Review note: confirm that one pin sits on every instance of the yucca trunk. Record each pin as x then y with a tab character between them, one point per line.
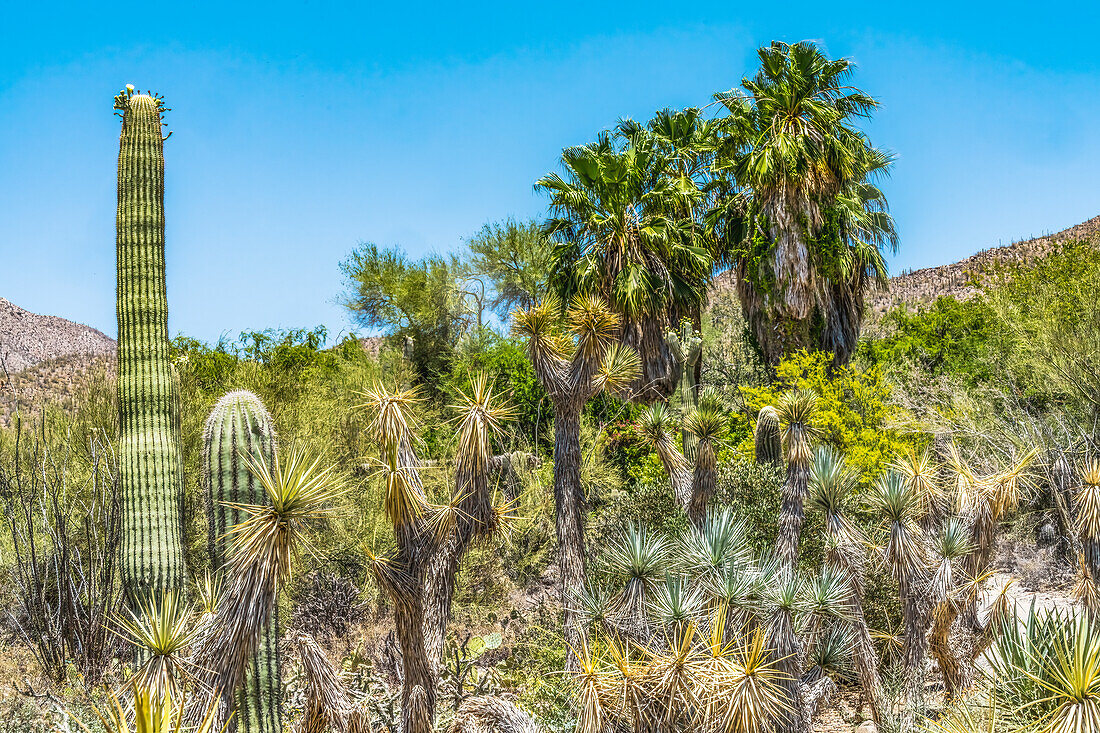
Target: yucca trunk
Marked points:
866	661
953	664
787	652
239	426
915	615
792	513
569	503
149	444
703	483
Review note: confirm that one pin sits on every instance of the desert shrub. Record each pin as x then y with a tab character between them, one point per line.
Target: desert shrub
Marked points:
326	605
946	337
854	411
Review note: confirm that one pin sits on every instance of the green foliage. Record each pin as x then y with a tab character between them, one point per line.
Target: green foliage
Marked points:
514	379
854	411
420	304
1049	312
514	257
948	337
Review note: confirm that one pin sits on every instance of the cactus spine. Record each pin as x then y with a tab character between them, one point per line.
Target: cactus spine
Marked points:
149	444
239	425
769	444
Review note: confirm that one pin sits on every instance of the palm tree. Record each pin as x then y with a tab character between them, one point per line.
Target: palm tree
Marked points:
614	216
832	484
576	355
806	221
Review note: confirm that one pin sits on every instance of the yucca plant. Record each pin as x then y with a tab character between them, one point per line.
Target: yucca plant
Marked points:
796	409
636	559
1088	531
693	482
1046	667
431	539
576	354
148	712
299	489
162	630
832	484
945	590
905	556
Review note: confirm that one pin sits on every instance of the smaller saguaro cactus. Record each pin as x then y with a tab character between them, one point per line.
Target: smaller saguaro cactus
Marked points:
239	426
769	444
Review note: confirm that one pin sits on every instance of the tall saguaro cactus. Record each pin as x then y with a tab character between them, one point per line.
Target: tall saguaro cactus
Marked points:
149	445
238	426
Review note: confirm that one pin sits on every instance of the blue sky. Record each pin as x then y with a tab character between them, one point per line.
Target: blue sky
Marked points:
302	129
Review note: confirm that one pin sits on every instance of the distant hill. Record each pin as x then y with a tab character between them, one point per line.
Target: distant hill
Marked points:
46	358
28	339
923	286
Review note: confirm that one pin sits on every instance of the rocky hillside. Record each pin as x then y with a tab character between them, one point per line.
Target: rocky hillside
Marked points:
28	339
46	358
925	285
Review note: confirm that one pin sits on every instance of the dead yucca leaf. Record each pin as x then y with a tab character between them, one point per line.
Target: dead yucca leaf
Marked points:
300	489
593	323
329	705
391	423
162	628
919	470
754	698
1010	484
591	682
1088	500
670	673
1085	589
480	419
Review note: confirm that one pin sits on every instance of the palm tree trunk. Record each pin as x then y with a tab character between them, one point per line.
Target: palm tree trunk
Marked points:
569	500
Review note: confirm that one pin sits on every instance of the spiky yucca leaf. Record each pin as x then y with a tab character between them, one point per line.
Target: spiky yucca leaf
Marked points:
595	602
899	505
832	484
1088	500
754	697
952	542
299	489
721	540
637	555
677	602
209	590
827	592
831	655
797	410
707	423
620	367
593	323
163	629
149	713
480	418
919	470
